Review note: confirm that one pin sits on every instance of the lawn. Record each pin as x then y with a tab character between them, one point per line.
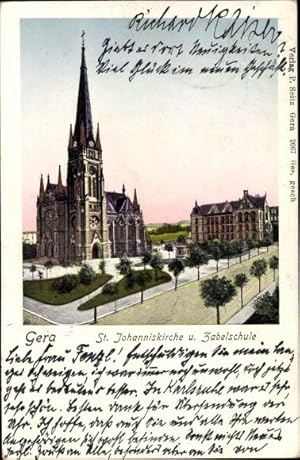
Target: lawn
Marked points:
42	290
123	291
166	237
34	320
185	306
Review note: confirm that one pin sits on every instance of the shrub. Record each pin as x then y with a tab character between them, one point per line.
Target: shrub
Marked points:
110	288
130	279
86	274
267	308
66	283
102	266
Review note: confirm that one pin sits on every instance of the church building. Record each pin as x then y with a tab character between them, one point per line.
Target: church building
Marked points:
80	220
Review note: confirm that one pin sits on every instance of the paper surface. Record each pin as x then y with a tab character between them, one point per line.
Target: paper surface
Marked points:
195	102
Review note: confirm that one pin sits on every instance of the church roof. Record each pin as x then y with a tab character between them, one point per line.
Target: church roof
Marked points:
54	189
118	203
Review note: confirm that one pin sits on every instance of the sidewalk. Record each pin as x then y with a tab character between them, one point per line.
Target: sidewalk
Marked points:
69	313
247	311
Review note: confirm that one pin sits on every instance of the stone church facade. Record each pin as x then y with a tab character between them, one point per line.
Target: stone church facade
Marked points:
247	218
80	220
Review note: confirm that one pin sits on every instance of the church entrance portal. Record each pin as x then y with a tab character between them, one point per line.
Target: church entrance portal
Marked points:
97	251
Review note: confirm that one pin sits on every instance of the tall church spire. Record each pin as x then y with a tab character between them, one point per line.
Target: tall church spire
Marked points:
84	112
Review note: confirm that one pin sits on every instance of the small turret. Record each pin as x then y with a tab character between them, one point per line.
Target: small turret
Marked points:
42	191
60	187
135	202
70	144
98	142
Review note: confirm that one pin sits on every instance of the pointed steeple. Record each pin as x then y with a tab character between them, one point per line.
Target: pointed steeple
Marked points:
135	202
84	112
60	187
123	189
70	144
41	194
98	142
48	184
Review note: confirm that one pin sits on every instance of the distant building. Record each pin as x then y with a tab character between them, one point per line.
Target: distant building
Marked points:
29	238
247	218
181	251
274	214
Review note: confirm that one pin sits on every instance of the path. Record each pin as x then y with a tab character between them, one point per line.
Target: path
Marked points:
69	313
245	313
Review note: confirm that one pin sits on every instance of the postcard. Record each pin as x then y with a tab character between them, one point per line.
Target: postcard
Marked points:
149	230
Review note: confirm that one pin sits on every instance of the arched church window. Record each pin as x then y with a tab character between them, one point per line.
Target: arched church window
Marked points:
50	249
73	251
92	181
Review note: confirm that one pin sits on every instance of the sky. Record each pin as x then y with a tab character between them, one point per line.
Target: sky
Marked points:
176	139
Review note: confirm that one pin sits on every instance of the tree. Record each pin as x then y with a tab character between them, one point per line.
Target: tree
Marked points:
267	242
125	269
65	283
181	239
258	245
102	264
146	258
267	308
196	258
141	278
204	245
157	263
226	250
110	288
240	281
33	269
169	247
238	247
176	266
29	251
86	274
274	264
251	244
217	292
257	269
48	265
124	266
215	251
